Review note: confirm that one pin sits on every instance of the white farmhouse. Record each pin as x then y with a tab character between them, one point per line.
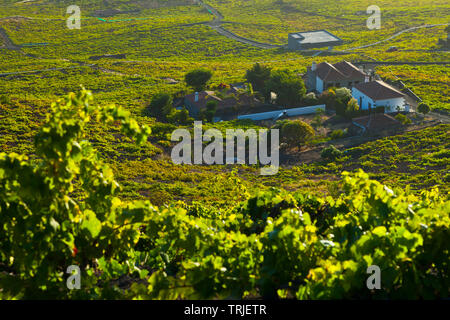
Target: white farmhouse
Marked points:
378	93
322	76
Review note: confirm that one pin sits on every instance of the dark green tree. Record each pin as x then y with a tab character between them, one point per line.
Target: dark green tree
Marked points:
160	106
180	117
288	87
197	79
423	108
328	98
257	76
209	112
294	133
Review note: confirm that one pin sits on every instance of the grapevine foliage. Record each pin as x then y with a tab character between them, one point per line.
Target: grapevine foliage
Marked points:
62	209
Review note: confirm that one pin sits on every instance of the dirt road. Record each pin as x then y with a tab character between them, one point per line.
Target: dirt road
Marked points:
7	42
216	24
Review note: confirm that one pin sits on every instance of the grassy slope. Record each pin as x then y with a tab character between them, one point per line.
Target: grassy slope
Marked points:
159	45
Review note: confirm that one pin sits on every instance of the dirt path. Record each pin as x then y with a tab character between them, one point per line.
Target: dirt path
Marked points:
411	63
7	42
234	36
216	25
218	17
79	65
441	116
396	35
5	74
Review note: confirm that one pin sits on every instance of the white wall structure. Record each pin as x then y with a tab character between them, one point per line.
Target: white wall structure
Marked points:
289	112
362	99
319	85
391	104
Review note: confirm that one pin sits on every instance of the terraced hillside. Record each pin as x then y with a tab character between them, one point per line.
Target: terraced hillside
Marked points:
161	40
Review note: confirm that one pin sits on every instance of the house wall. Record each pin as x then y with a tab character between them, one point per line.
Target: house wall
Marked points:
327	85
304	46
290	113
319	85
346	83
310	80
391	104
362	99
293	43
193	110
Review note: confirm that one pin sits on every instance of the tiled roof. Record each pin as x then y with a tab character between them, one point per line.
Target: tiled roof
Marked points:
348	69
203	98
341	71
376	121
378	90
225	103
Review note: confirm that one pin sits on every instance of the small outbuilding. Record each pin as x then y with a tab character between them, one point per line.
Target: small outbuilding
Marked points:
373	123
312	39
228	102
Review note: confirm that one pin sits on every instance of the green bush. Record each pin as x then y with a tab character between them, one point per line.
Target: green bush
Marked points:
337	134
330	153
352	107
310	99
180	117
4	99
403	119
163	130
61	210
294	133
209	112
160	106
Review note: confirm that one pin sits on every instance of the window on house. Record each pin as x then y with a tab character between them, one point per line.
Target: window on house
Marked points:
350	84
338	85
360	102
356	82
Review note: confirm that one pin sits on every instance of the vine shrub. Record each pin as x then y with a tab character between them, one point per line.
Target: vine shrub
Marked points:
330	153
61	209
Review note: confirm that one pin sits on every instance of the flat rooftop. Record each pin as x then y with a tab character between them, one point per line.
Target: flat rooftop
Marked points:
313	37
